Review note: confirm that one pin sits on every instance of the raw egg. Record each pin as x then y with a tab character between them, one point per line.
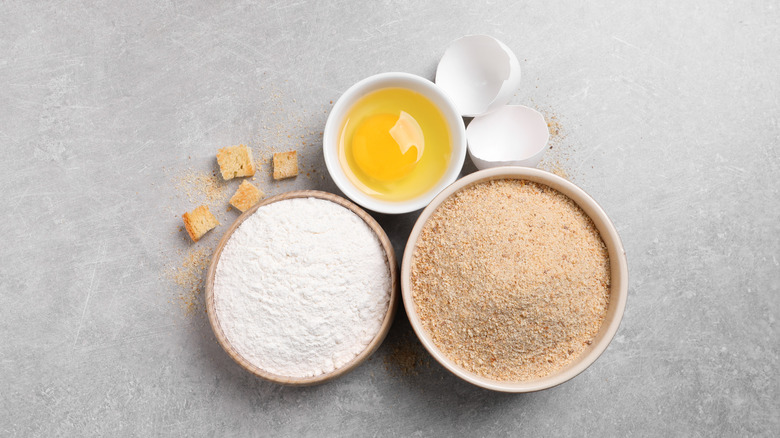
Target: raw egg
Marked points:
394	144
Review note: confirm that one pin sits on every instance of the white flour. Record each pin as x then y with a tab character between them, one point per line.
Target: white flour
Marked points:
301	287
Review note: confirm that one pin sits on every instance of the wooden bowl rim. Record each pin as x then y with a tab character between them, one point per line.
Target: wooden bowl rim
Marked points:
357	360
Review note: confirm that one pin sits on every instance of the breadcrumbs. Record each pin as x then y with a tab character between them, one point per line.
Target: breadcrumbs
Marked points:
189	277
511	279
557	158
200	186
407	356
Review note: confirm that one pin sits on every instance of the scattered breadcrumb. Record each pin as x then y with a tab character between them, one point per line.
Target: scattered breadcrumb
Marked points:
554	126
189	276
407	356
559	149
557	169
511	279
296	129
200	186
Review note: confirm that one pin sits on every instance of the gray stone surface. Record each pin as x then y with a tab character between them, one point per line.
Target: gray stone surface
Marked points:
668	116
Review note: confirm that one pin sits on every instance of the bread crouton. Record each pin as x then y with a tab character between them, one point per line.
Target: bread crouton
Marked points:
285	164
198	222
246	196
235	161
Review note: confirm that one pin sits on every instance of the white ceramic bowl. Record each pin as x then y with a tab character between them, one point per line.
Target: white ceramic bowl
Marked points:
330	141
618	273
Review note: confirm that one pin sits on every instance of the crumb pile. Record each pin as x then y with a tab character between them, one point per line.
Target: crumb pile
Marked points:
201	186
556	159
188	276
511	279
407	356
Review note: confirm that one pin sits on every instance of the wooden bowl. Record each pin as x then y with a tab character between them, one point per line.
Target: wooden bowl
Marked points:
618	273
357	360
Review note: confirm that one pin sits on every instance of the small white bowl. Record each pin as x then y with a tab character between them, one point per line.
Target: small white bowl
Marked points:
618	272
330	141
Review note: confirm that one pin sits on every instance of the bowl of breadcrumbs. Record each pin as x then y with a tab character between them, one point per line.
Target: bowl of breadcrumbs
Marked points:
514	279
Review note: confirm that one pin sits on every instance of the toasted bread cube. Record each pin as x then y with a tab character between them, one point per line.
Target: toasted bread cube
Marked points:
285	164
246	196
198	222
235	161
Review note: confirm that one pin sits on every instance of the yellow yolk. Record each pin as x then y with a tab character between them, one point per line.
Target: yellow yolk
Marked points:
394	144
387	146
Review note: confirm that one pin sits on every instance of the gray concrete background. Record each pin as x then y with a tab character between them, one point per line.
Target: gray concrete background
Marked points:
668	116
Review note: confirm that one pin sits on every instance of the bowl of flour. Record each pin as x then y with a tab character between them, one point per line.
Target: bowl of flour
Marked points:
302	288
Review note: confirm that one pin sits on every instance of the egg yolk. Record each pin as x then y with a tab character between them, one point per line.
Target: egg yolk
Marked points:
388	146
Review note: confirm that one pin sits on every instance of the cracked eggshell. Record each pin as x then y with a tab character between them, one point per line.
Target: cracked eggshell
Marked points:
513	135
479	73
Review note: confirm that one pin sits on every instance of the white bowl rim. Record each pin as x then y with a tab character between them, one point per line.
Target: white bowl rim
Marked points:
618	265
390	80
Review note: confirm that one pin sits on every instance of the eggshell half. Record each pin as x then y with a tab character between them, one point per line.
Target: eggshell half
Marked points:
513	135
479	73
